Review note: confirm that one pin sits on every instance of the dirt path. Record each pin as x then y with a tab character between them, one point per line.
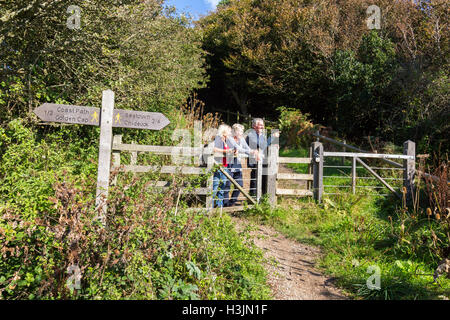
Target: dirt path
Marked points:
291	275
291	272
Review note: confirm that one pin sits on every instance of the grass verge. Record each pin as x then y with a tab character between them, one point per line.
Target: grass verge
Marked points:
374	247
358	243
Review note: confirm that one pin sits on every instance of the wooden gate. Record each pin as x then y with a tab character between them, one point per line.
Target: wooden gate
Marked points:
313	180
193	155
406	178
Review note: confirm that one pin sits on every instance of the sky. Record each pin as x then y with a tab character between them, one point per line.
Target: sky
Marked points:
194	7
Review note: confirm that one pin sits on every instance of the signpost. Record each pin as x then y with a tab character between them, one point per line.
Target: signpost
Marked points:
104	153
106	118
91	116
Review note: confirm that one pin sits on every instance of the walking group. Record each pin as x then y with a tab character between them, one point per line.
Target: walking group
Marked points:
229	146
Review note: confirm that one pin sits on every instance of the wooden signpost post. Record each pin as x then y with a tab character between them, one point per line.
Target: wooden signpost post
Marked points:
107	117
104	154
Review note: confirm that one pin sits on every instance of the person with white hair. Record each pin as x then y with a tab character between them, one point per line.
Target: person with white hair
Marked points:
226	147
256	139
235	166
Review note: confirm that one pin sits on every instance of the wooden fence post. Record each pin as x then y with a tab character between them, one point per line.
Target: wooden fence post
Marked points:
134	155
209	183
116	156
318	170
197	141
309	183
354	175
409	166
133	158
104	154
272	168
259	180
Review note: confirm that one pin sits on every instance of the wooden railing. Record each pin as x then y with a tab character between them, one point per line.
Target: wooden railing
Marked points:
270	168
314	178
196	169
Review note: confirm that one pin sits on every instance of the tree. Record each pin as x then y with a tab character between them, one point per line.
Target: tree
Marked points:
360	86
270	49
151	60
320	56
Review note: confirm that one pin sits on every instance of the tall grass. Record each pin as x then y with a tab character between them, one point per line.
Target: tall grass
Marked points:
356	232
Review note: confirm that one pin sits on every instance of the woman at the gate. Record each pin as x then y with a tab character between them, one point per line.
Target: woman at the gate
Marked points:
226	147
235	167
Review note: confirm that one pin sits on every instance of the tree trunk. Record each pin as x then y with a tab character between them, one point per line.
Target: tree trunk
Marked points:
242	102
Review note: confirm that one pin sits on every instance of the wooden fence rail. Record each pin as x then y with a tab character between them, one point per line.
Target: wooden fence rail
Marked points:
344	146
270	167
294	176
408	166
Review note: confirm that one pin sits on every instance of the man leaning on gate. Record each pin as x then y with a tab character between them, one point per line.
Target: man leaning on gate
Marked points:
257	139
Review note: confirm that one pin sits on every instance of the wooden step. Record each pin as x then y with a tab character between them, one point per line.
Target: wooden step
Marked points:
294	176
294	192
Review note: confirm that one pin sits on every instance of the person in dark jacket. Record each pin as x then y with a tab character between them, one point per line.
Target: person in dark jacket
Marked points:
256	139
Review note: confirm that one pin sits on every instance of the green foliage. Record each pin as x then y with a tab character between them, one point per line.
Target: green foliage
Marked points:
295	128
262	52
319	57
426	117
150	59
145	252
29	164
359	84
47	223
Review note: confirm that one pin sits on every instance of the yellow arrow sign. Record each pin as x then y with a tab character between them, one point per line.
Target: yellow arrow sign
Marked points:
94	117
117	118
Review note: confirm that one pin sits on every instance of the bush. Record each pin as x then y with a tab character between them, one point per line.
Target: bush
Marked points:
144	252
295	128
150	248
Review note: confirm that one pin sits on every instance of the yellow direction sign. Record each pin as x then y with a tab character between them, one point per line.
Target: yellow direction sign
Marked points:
139	119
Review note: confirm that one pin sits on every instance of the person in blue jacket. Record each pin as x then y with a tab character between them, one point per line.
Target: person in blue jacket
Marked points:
256	139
